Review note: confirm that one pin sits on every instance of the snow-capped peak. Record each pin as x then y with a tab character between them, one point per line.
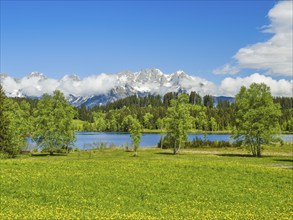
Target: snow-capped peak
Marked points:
3	76
38	75
180	73
72	77
104	88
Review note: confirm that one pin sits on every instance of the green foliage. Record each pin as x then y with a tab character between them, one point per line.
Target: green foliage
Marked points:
179	121
167	141
213	124
256	117
78	125
6	136
195	98
134	128
15	124
207	117
148	120
161	125
192	186
208	101
100	121
200	121
53	123
20	123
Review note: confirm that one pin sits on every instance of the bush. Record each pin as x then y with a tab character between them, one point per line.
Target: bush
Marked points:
4	155
168	142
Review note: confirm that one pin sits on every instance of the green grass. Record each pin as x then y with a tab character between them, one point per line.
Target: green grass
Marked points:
197	184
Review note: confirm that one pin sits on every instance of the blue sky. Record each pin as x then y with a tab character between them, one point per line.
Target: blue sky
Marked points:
92	37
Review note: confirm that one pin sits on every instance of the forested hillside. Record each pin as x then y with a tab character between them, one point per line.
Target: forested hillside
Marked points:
206	116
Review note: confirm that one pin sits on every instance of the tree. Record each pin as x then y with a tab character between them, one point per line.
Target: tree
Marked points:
135	134
179	121
20	123
113	121
200	118
100	121
134	128
148	120
54	127
5	134
195	98
161	126
208	101
256	117
14	124
213	124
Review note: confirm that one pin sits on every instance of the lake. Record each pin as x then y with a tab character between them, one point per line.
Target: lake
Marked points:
88	140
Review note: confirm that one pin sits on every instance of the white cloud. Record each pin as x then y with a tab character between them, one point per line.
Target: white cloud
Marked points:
227	69
103	83
231	86
37	86
200	85
274	55
92	85
9	84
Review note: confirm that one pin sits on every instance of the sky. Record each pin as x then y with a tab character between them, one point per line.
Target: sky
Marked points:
224	42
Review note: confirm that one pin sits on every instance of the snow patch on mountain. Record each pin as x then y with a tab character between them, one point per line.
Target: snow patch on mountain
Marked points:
103	88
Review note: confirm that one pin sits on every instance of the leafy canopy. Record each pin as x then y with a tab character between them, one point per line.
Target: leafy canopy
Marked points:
15	124
54	123
179	121
257	117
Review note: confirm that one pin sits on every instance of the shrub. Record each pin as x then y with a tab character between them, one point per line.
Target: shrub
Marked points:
168	142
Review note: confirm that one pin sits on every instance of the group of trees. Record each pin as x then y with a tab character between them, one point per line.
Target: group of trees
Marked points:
14	124
49	122
53	123
150	109
257	117
254	118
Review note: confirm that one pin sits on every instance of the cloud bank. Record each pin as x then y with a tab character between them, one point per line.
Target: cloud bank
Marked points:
231	86
92	85
274	55
35	85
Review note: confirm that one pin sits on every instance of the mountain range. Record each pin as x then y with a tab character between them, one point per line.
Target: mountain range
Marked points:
101	89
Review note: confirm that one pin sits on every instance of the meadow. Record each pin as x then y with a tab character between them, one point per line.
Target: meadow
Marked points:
112	184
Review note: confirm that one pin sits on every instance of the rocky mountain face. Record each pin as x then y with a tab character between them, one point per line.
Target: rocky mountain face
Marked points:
121	85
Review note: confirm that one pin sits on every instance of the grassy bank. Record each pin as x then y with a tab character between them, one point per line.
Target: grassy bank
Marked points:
192	131
197	184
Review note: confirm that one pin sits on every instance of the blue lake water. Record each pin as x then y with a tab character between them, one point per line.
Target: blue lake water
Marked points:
88	140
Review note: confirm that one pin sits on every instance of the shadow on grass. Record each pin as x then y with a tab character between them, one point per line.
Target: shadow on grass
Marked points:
239	155
284	160
169	153
44	155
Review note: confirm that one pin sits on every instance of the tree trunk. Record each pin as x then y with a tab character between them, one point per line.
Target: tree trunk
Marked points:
258	151
174	150
161	141
179	147
253	150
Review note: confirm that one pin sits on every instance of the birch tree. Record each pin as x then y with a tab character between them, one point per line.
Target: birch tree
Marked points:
257	117
179	121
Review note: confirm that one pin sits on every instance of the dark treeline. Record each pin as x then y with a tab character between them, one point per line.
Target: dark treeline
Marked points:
206	115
